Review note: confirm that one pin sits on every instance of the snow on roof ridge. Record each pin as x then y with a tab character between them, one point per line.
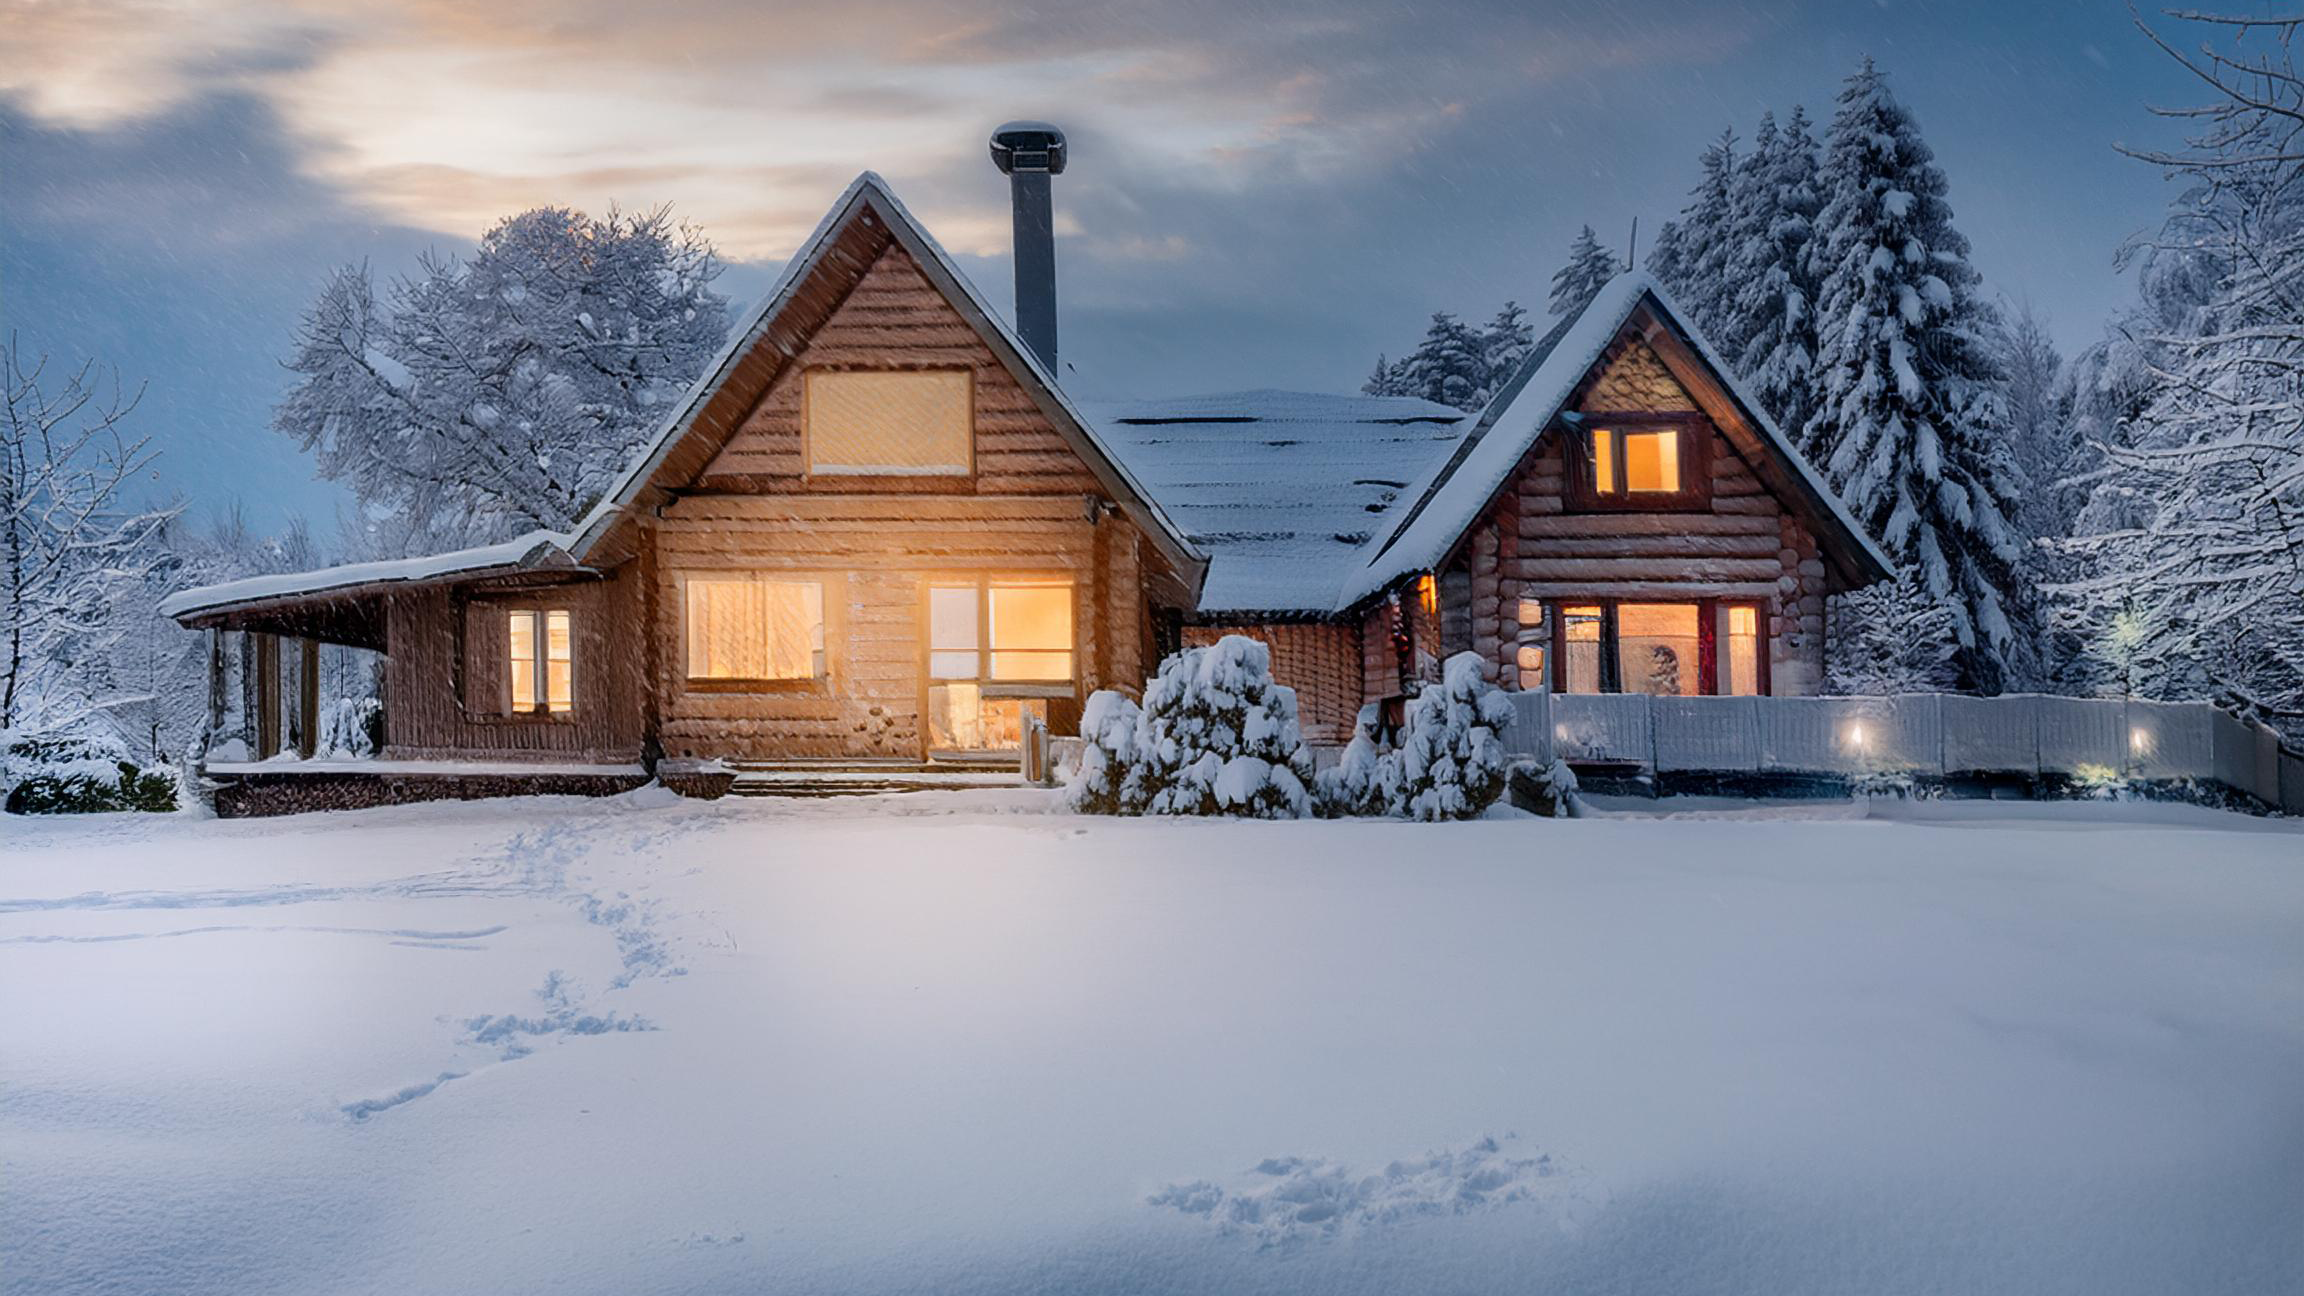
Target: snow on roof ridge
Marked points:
597	518
529	550
1523	408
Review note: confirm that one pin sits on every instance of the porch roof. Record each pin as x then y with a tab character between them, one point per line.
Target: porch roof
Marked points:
279	592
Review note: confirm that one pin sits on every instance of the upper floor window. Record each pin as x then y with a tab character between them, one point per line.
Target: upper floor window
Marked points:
1640	464
541	652
888	423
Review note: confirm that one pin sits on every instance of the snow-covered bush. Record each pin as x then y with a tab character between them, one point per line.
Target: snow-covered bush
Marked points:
1452	761
1215	736
1891	637
81	776
1450	764
1110	776
350	728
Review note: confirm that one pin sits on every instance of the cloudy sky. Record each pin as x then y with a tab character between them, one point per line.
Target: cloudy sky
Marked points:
1263	192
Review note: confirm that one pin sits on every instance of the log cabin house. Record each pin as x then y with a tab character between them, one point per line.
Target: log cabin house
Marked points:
878	532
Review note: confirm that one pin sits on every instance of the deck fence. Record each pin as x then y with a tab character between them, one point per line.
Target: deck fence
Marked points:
1925	734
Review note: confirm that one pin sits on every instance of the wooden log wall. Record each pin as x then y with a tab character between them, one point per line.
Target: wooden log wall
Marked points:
1320	660
1744	545
444	694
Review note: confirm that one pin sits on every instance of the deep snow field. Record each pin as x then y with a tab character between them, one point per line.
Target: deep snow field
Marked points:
952	1042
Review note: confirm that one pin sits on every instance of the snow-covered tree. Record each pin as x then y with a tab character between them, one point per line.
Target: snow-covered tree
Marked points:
1450	764
484	397
70	538
1505	344
1690	255
1450	365
2195	537
1770	270
1589	268
1891	637
1215	736
1910	423
1387	379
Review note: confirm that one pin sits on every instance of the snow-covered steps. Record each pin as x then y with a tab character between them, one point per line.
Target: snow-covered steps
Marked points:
833	778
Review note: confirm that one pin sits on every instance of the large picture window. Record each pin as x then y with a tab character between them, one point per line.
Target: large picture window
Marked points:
1699	647
751	627
888	423
540	655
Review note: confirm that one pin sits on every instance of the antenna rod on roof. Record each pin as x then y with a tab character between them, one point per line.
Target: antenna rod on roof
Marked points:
1632	245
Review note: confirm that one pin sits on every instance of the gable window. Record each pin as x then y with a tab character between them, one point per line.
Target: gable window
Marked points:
888	423
749	627
1640	462
1702	647
540	652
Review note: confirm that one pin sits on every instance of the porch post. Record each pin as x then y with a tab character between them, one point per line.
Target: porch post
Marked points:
267	695
215	730
308	698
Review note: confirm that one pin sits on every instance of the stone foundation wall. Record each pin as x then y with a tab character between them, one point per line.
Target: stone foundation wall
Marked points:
250	796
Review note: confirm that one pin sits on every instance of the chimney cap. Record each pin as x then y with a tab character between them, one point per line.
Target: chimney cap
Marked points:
1028	146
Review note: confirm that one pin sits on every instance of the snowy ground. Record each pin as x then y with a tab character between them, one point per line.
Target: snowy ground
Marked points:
952	1043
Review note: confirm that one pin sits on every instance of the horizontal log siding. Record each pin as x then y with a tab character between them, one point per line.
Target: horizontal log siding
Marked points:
444	675
1321	661
876	555
1745	545
895	319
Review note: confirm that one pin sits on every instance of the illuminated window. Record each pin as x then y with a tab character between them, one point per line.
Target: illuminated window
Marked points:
1659	648
743	626
1740	650
903	423
1636	462
997	650
1580	655
541	651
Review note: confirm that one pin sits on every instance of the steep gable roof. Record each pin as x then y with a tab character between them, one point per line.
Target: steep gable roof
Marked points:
1459	488
866	218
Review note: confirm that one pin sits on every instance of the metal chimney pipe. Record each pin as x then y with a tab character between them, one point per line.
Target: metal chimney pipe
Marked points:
1030	154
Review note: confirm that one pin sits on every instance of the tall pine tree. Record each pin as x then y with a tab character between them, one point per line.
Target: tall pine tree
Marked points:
1690	257
1769	271
1910	422
1590	267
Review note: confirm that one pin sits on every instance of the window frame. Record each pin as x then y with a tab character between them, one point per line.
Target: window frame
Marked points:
1695	431
834	597
542	612
884	475
1711	620
983	583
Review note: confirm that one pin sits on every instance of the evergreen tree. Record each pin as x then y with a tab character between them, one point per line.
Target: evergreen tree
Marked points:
1910	424
1664	262
1386	379
1775	302
1507	341
1590	267
1450	366
1694	266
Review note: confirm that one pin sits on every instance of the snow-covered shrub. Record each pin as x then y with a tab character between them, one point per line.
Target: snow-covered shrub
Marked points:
1450	764
1365	782
1110	776
81	776
1891	637
1452	760
351	728
1215	736
1548	789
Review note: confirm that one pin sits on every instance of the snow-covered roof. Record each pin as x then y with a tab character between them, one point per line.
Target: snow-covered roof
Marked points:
533	551
1282	490
939	264
1449	498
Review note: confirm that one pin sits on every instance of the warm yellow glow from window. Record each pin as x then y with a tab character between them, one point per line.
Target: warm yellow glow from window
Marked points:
1658	648
1031	632
1740	657
909	423
1428	593
748	627
1652	461
540	646
1604	461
